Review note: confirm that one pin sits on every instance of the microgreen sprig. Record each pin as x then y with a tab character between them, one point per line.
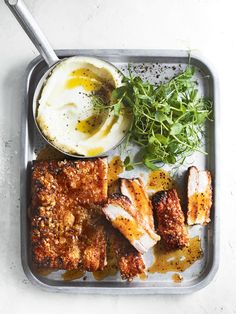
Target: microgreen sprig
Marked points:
168	120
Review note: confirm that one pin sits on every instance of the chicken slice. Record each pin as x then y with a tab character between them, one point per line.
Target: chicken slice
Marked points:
134	190
170	219
129	260
199	196
124	217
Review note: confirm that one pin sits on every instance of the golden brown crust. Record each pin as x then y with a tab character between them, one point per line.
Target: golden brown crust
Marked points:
62	227
85	181
170	219
129	260
95	243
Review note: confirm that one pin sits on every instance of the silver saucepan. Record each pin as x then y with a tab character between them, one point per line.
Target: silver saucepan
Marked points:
95	143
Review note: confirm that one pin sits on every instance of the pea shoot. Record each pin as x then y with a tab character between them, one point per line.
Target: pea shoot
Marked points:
168	120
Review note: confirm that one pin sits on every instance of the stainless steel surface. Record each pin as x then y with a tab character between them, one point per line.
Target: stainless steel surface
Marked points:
200	273
32	29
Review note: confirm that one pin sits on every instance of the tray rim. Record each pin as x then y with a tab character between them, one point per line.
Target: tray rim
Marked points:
195	55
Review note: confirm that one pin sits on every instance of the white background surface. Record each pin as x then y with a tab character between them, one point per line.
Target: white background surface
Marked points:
206	25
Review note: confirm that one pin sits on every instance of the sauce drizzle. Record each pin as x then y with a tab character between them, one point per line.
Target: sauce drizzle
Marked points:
73	274
110	269
115	168
49	153
177	278
45	271
143	276
159	180
199	204
178	260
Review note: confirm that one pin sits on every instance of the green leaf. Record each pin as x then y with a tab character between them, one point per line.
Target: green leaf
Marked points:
176	129
152	139
161	138
173	147
169	120
118	92
117	109
129	167
171	159
128	164
160	117
126	161
150	164
166	108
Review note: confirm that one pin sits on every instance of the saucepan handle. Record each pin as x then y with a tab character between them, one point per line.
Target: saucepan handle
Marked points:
32	29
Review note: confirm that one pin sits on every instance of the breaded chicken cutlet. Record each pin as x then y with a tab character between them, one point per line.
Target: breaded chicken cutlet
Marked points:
66	232
170	219
199	196
129	260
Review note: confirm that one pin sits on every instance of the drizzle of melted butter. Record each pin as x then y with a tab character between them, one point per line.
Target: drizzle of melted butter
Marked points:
177	260
110	269
95	151
177	278
109	127
86	78
115	168
127	227
73	274
89	125
49	153
160	180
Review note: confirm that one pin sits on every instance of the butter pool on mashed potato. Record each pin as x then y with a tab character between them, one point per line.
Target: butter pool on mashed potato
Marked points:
65	111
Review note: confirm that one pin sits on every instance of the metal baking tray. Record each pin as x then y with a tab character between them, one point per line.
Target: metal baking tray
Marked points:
158	65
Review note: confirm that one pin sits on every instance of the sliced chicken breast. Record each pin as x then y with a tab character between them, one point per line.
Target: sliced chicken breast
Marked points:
135	191
199	196
124	217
